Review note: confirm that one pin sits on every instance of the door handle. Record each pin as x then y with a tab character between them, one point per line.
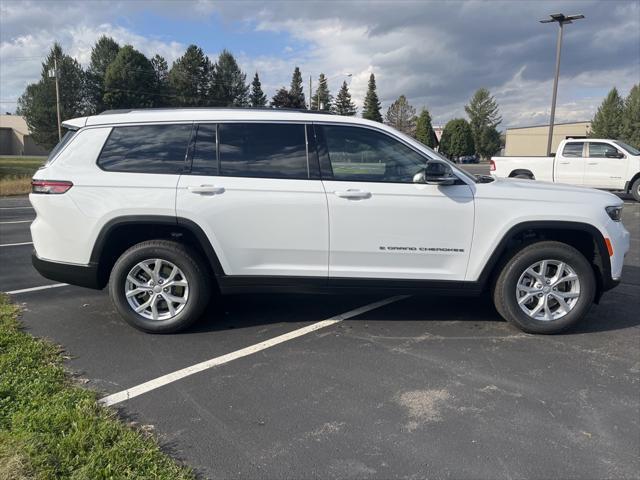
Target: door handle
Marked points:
205	189
592	163
353	194
564	163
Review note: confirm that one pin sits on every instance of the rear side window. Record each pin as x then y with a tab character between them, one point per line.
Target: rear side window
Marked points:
573	149
146	149
263	150
205	161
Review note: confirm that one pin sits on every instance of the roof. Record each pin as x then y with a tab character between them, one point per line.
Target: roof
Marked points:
211	115
15	122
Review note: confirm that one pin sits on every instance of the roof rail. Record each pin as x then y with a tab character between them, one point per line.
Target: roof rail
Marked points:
293	110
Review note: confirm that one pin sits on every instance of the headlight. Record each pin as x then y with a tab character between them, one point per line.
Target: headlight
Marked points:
615	213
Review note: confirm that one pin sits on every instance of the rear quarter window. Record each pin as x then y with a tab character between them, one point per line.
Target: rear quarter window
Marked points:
573	149
146	149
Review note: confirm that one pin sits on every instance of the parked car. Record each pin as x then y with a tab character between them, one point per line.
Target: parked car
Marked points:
469	159
171	207
597	163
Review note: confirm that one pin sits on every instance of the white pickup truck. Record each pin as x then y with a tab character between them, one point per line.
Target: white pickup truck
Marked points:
592	162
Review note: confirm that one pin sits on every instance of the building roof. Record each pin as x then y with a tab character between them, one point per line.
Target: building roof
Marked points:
546	125
15	122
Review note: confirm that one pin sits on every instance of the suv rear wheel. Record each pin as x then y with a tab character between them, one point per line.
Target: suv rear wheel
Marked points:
545	288
159	286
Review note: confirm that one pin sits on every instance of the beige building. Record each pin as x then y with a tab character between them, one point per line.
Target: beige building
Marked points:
15	138
532	141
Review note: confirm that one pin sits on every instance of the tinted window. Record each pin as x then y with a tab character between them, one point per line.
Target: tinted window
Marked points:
601	150
146	149
263	150
364	155
572	149
205	161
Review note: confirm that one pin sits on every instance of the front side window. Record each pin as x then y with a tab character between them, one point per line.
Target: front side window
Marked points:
146	149
632	150
263	150
602	150
573	149
364	155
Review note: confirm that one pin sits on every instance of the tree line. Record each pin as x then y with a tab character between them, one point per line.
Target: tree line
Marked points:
619	118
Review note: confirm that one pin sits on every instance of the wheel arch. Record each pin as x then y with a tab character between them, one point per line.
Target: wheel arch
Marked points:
121	233
522	171
584	237
630	183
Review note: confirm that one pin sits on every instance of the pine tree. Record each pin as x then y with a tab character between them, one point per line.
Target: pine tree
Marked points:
257	98
228	83
483	114
103	53
424	129
401	116
631	117
343	104
161	89
322	94
607	122
190	78
457	139
295	92
371	108
129	81
489	142
281	99
38	102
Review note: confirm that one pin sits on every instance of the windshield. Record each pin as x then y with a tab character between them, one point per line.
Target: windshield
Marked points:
627	147
65	139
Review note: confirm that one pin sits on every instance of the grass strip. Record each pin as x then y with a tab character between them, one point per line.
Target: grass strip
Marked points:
51	428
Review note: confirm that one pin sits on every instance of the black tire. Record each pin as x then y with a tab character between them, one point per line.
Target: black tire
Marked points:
504	292
635	190
194	271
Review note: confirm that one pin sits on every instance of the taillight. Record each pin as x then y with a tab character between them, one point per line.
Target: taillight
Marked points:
50	186
492	166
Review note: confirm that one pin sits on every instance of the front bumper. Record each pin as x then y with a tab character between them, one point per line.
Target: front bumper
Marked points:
81	275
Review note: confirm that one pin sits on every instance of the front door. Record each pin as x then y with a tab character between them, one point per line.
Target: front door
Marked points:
606	166
381	223
255	197
570	164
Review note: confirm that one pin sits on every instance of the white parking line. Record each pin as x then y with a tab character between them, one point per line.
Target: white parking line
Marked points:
16	221
16	208
35	289
15	244
214	362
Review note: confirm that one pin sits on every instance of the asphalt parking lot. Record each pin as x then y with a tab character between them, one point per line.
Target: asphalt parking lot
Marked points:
420	387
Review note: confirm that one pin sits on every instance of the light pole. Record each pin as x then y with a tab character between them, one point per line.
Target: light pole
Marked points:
56	75
326	79
562	19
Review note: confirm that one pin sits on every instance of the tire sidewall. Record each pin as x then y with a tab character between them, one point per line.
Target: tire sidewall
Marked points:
635	190
515	268
179	258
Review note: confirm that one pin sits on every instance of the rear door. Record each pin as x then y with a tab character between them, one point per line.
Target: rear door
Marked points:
254	192
606	166
570	163
382	224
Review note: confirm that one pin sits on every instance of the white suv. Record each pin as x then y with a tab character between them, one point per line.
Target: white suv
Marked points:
171	206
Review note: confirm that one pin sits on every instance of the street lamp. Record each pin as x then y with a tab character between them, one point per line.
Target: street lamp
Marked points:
562	19
326	79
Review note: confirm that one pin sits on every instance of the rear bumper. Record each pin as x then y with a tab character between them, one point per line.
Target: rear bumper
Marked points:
81	275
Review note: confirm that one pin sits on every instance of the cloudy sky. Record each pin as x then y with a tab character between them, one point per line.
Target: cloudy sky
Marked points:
437	53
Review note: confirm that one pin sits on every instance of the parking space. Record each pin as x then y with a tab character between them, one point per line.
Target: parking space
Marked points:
421	387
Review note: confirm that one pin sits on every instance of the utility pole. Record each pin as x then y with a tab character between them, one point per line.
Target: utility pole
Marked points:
55	70
310	92
562	20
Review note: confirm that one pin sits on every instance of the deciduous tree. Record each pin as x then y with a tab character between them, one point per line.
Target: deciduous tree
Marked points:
401	116
457	139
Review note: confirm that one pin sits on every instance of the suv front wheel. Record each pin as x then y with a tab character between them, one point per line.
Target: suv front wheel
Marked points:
545	288
158	286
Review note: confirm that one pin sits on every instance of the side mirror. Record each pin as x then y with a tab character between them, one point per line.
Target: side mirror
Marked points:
612	154
438	173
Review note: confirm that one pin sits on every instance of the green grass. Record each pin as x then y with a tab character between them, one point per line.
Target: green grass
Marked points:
51	428
19	166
